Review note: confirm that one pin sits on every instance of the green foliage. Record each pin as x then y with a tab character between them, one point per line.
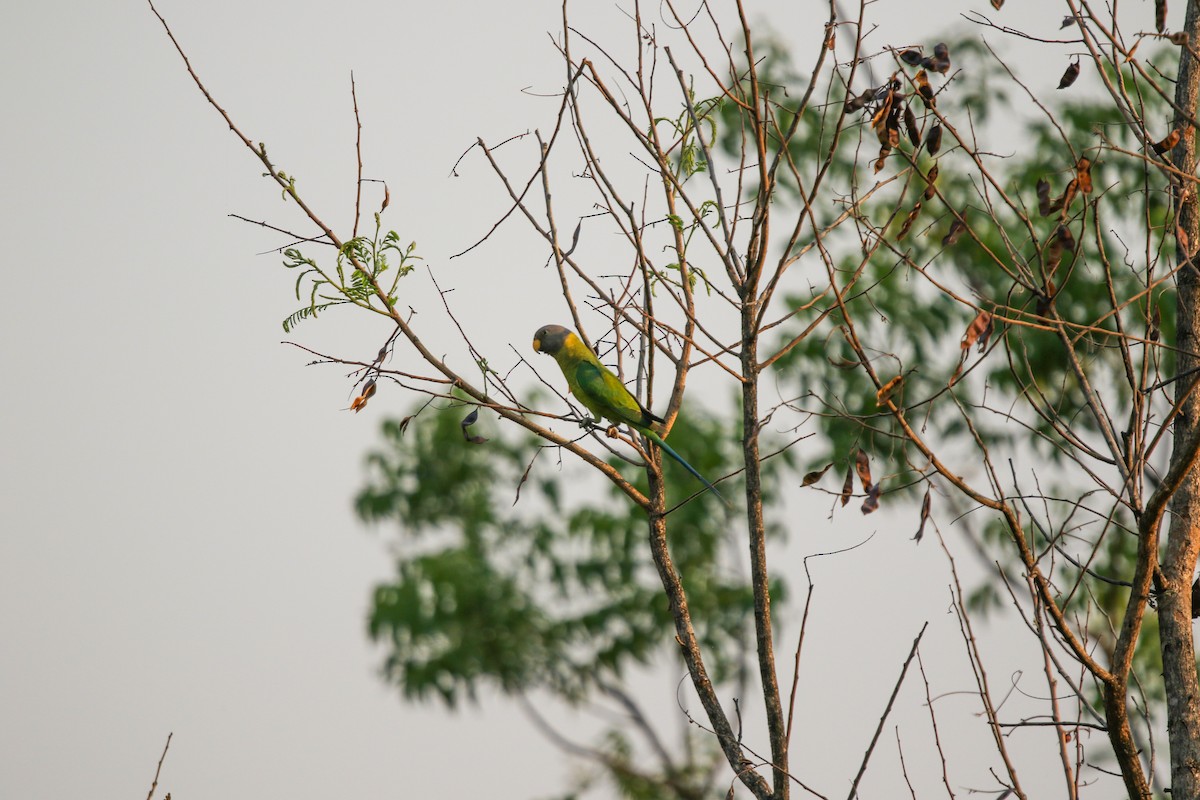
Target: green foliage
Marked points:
811	136
555	592
303	313
365	260
891	299
621	756
688	130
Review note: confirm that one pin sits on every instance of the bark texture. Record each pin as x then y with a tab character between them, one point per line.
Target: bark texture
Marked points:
1183	540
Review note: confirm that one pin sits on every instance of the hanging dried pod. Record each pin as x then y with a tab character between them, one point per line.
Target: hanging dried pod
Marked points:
956	230
933	140
908	222
1069	76
924	89
910	123
1167	143
930	182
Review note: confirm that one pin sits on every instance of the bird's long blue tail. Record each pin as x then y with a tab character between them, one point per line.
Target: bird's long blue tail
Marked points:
658	440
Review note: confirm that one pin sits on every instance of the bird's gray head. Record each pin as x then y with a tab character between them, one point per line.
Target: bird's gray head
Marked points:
550	339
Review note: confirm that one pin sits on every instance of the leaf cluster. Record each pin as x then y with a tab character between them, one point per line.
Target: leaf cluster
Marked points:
360	265
893	302
557	594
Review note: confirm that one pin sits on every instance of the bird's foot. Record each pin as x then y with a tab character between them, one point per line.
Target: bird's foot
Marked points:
612	431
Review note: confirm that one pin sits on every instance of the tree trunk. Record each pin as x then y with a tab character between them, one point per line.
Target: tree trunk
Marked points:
1183	540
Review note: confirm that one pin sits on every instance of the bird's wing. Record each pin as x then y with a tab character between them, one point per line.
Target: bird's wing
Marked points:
603	392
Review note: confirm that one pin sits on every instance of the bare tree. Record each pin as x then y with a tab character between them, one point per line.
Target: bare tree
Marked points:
815	244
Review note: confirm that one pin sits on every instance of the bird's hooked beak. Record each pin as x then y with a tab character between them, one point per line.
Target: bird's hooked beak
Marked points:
537	343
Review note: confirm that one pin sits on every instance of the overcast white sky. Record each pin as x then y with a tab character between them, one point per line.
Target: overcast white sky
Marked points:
177	546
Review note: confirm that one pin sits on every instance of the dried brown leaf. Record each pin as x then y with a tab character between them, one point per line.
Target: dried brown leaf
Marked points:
872	502
956	230
1064	237
1160	15
1064	200
1073	187
1043	193
910	123
940	62
525	474
862	466
1045	298
879	120
931	182
883	154
1167	143
1062	241
925	504
1069	76
924	89
1083	174
962	362
888	389
933	140
858	103
979	331
360	402
908	221
1053	259
848	486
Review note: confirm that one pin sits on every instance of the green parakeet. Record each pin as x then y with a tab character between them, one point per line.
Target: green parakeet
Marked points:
601	392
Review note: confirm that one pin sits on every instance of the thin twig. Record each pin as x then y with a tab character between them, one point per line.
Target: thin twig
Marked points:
158	770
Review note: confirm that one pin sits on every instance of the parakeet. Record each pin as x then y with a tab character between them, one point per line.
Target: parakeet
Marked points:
601	392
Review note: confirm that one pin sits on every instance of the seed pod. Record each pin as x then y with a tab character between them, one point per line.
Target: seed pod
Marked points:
933	140
1069	76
